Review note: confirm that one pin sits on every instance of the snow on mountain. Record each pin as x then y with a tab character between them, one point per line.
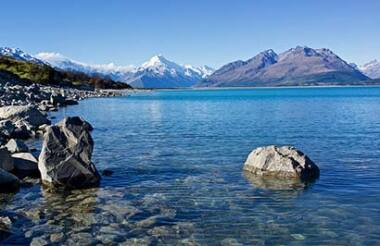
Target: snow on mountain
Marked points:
157	72
105	70
19	55
371	69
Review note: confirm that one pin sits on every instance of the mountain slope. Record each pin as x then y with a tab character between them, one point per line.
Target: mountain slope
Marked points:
371	69
26	69
158	72
296	66
20	55
110	70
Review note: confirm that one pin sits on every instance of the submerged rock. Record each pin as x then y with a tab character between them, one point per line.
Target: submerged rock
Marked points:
65	159
8	182
284	162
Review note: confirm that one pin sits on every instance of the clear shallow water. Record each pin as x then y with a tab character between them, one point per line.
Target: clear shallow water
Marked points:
177	158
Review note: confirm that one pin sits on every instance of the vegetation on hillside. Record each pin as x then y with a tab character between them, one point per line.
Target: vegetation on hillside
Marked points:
47	75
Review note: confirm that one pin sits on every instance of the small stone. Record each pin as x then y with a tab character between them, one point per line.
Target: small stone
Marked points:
56	237
39	241
298	236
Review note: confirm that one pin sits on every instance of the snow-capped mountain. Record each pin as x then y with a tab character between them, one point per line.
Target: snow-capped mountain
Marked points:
371	69
104	70
19	55
157	72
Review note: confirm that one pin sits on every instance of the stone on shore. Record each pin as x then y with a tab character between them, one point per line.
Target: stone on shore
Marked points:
29	114
284	162
6	160
16	146
65	159
6	128
8	182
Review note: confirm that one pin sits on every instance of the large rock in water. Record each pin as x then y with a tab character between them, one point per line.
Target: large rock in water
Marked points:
285	162
65	159
28	114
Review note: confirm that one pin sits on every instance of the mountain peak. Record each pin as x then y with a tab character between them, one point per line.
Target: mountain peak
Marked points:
18	54
157	60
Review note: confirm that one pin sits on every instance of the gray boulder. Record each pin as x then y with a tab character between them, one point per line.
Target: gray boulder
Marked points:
285	162
8	182
28	114
16	146
25	164
65	159
6	160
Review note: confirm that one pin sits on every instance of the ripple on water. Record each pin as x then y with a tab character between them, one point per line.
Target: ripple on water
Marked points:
177	159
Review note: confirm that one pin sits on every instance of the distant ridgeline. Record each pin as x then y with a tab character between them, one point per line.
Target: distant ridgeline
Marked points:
300	66
12	69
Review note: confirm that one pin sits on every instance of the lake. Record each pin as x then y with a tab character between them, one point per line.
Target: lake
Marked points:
177	158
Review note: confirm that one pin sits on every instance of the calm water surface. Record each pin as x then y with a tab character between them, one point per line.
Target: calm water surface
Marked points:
177	158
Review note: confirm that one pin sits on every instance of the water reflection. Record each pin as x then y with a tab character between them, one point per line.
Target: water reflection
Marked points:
276	183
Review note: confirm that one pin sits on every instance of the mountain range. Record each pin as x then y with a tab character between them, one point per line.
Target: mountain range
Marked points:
18	67
297	66
371	69
157	72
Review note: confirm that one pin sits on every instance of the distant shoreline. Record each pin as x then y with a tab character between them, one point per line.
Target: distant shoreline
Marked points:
257	87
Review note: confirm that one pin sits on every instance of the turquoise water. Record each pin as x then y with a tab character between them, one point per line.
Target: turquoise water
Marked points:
177	158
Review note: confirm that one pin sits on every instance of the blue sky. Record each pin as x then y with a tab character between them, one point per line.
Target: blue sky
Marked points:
212	32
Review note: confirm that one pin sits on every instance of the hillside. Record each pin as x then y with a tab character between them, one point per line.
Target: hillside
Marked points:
32	72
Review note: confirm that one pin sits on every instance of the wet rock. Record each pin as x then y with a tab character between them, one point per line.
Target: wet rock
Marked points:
285	161
8	182
65	159
82	238
25	163
29	181
39	241
29	114
5	227
57	237
139	241
16	146
6	160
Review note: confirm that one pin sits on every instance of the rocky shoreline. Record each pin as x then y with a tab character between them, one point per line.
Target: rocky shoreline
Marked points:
23	115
